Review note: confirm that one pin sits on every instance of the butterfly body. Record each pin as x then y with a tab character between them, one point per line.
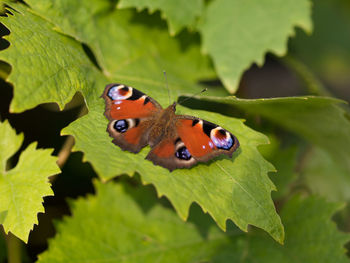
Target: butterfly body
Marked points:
163	126
176	141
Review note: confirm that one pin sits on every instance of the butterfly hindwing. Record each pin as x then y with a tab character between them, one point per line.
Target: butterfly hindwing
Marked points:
205	140
131	114
129	134
171	153
192	140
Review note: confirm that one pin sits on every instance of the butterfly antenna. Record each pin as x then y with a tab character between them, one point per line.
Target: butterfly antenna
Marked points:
166	82
203	90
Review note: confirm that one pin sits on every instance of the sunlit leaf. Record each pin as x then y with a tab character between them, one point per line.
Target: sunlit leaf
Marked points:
237	33
226	188
133	228
23	187
129	49
178	13
319	120
46	66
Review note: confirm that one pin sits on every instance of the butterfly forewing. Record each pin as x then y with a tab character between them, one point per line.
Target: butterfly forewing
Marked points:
131	113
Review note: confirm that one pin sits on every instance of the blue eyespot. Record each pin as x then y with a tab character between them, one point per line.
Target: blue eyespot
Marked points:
121	126
225	143
183	154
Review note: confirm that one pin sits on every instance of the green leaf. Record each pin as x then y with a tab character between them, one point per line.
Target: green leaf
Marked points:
129	49
237	33
331	59
22	188
9	144
285	160
225	188
125	50
46	66
134	228
308	229
319	120
325	176
128	231
178	13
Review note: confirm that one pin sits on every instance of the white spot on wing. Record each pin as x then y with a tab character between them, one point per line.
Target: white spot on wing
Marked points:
115	94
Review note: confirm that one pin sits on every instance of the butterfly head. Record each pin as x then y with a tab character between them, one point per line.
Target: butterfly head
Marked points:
173	106
170	111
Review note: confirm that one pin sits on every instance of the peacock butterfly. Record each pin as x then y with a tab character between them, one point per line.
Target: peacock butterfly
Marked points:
176	141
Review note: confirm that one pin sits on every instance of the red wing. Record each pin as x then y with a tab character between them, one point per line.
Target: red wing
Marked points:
123	102
193	140
164	149
171	154
131	114
205	140
124	109
129	134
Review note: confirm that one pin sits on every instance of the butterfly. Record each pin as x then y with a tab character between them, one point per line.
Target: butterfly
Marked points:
176	141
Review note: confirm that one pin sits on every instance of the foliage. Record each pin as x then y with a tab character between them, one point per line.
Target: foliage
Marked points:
319	120
179	14
324	176
265	26
65	52
331	60
130	217
23	187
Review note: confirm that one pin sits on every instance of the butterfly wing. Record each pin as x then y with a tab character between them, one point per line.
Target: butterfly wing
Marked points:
205	140
192	140
171	154
131	114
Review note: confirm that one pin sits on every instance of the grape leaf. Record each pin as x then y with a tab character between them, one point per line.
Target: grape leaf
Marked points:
179	14
308	229
130	47
127	231
331	60
320	120
58	63
237	33
225	188
134	228
65	67
22	188
285	160
325	176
